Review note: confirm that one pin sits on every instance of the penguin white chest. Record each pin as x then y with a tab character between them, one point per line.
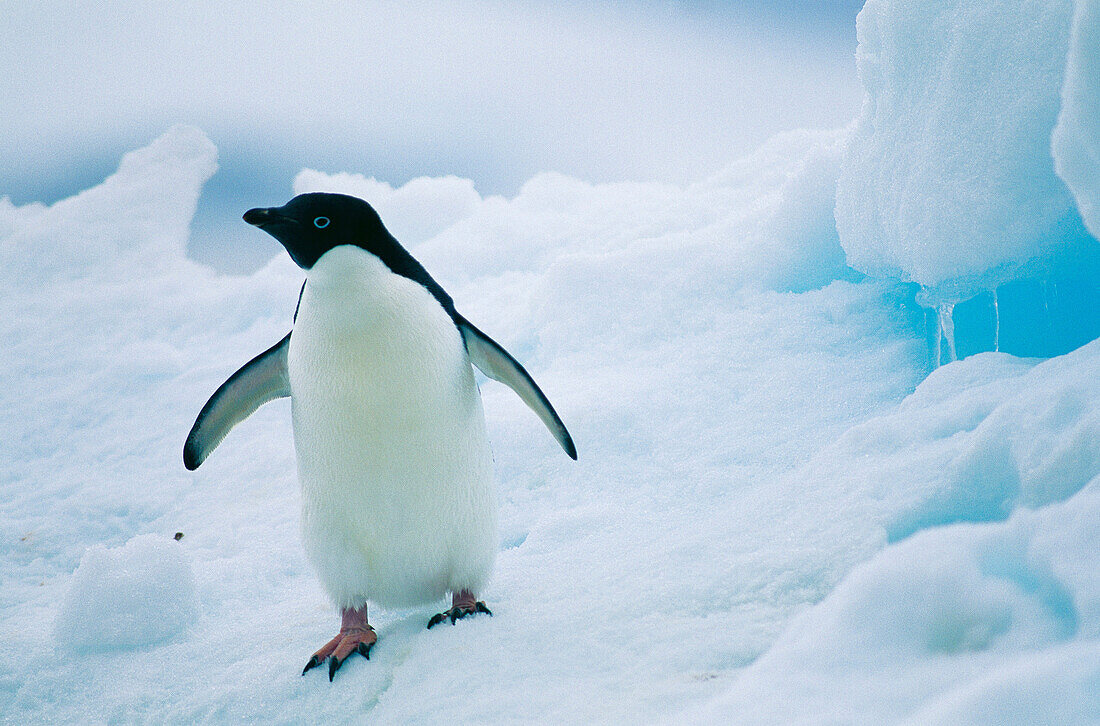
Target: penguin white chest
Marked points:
396	474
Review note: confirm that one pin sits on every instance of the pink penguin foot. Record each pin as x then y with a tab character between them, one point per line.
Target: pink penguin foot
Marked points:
463	603
356	636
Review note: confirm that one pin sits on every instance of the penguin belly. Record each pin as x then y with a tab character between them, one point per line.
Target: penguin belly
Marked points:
398	506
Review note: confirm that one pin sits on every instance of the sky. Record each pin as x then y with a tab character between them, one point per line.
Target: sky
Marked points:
491	91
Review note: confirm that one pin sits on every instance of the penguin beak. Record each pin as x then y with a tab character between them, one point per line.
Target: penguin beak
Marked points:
280	225
258	217
263	216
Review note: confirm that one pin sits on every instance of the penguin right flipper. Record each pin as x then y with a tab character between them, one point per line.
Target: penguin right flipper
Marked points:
494	361
262	379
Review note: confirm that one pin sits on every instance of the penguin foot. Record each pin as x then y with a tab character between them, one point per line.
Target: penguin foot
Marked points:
355	636
462	604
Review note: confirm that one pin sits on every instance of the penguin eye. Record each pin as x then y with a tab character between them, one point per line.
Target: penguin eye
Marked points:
320	222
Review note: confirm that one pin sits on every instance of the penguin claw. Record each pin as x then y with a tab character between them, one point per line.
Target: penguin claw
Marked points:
459	611
359	639
313	663
334	663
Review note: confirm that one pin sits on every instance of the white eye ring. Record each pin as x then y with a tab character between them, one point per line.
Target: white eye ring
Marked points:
320	222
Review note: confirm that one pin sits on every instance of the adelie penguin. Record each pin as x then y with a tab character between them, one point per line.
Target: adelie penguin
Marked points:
398	505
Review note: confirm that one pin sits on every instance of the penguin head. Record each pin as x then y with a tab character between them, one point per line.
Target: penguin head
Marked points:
309	225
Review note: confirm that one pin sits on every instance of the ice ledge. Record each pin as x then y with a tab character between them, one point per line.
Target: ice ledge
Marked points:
948	182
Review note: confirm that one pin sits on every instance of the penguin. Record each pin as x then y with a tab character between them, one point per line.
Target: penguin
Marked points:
398	505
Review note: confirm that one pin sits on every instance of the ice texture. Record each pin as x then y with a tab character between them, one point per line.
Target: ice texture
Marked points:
139	594
948	180
1076	141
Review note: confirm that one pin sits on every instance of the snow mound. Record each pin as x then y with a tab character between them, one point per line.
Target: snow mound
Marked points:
766	222
1076	141
142	593
151	199
1005	434
983	486
992	623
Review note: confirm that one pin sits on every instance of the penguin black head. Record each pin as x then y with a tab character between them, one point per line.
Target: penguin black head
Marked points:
309	225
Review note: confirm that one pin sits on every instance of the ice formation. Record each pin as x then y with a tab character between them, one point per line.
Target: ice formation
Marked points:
991	624
1076	142
948	180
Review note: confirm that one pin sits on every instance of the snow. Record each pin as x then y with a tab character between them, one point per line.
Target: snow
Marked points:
139	594
960	600
1076	141
972	623
781	512
779	199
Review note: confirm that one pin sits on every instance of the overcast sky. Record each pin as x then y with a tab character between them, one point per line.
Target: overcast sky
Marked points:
492	91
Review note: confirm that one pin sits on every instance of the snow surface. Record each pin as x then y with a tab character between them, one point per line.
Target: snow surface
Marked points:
983	621
781	513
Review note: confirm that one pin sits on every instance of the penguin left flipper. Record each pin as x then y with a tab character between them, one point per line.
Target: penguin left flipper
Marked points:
494	361
262	379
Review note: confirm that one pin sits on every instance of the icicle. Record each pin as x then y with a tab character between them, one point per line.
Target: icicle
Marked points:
947	328
939	342
996	323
